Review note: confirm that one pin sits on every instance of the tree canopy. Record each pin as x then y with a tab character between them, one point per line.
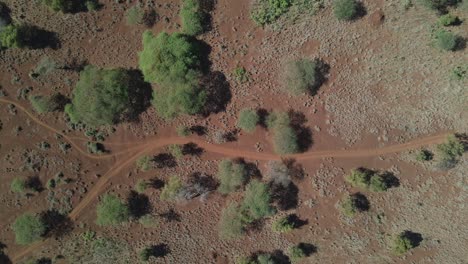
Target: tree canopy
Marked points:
100	97
28	228
232	175
112	211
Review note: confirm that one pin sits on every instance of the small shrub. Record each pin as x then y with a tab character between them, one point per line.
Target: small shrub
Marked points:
449	152
359	178
144	163
141	186
100	97
231	223
18	185
92	5
282	225
266	259
423	155
378	183
112	211
95	148
268	11
145	254
256	203
446	40
135	15
192	17
248	120
459	73
345	9
28	228
448	20
171	189
301	76
183	131
10	37
51	184
148	221
176	151
231	175
240	74
402	244
296	253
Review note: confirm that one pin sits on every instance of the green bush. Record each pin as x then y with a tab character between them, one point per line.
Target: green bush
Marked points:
448	20
248	120
359	178
28	228
446	40
296	253
100	97
402	244
459	73
44	104
144	163
266	259
183	131
231	224
192	17
171	189
345	9
135	15
449	152
301	76
10	37
148	221
112	211
145	253
282	225
256	203
64	6
285	140
241	75
141	186
231	175
268	11
439	5
178	99
378	183
176	151
18	185
423	155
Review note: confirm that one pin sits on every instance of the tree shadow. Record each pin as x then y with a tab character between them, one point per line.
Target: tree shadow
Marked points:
296	221
279	257
204	49
171	216
262	117
192	149
460	43
34	183
75	65
304	134
206	7
138	204
198	185
57	224
44	261
150	18
252	170
198	130
308	248
140	94
204	180
218	91
390	180
415	238
164	160
4	259
321	76
34	37
361	202
231	136
156	183
295	170
160	250
5	17
361	11
285	198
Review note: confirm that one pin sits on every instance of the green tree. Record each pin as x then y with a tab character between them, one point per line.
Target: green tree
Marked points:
301	76
448	20
248	120
231	224
449	152
282	225
402	243
171	189
192	17
28	228
231	175
176	151
296	253
423	155
145	253
345	9
10	37
446	40
378	183
257	199
171	101
144	163
352	204
100	97
112	211
359	178
18	185
285	139
45	104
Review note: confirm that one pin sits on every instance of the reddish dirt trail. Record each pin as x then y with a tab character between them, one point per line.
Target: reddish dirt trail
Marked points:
146	146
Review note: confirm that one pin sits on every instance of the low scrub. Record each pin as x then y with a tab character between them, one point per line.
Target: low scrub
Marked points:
268	11
112	211
248	120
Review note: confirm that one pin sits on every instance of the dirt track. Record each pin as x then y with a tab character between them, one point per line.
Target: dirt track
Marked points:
127	157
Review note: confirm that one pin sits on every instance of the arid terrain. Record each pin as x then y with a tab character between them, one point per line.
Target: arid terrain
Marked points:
387	96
